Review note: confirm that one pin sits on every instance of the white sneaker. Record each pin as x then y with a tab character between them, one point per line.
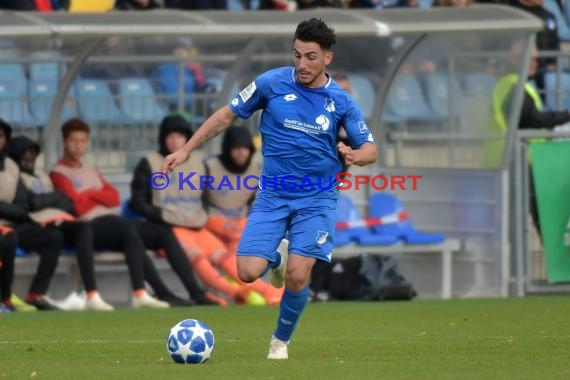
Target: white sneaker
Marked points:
147	301
277	349
277	276
97	303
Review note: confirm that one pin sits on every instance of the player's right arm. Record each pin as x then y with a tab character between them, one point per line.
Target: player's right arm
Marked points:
249	100
216	124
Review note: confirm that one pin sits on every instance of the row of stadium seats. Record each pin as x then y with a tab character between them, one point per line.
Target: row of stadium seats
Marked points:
91	99
426	97
380	205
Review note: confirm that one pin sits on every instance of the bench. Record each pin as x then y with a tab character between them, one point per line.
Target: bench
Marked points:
445	249
70	277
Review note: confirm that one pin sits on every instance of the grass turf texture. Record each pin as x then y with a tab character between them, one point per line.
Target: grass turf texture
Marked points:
469	339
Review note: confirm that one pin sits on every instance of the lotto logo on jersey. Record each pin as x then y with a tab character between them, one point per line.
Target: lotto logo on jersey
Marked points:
247	92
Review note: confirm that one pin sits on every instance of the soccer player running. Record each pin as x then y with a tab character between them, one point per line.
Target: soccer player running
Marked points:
302	110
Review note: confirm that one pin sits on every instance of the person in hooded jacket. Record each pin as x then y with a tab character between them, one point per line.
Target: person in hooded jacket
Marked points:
228	203
181	209
8	240
16	209
51	210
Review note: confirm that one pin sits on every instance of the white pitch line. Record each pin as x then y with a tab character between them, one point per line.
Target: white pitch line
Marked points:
233	340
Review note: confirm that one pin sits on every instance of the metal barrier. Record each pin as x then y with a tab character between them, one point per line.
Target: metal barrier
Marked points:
529	264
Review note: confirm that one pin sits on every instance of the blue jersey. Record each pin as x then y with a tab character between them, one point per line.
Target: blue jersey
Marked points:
299	128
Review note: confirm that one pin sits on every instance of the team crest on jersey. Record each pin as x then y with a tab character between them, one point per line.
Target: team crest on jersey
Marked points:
323	121
322	237
329	105
290	97
247	92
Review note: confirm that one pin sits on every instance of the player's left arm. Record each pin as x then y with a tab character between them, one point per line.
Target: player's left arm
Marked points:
359	137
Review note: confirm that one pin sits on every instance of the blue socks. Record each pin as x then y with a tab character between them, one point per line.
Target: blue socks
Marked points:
290	309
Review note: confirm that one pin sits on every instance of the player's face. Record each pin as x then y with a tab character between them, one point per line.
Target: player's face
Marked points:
310	63
240	155
175	141
75	145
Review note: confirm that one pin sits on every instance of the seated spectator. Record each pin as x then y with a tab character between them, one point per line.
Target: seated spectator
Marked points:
136	5
181	210
8	240
228	209
35	5
95	201
51	220
196	4
47	242
167	77
546	40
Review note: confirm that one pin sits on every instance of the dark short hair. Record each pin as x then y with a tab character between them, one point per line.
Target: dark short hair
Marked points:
74	125
315	30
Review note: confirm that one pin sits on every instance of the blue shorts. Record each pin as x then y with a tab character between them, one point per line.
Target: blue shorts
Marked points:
310	222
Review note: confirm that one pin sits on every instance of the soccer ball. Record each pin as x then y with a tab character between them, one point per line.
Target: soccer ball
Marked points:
190	341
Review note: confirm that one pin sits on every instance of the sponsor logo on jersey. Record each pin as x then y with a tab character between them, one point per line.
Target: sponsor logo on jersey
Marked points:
247	92
290	97
323	121
363	127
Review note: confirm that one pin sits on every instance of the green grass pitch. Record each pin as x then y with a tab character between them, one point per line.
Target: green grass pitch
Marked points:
459	339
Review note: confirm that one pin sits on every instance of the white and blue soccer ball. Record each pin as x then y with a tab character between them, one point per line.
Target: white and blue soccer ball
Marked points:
190	342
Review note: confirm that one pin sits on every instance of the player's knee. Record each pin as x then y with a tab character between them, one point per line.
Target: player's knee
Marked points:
297	278
246	274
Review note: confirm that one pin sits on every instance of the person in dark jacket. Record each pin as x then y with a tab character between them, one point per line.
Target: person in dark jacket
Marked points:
15	209
136	5
52	225
8	239
181	211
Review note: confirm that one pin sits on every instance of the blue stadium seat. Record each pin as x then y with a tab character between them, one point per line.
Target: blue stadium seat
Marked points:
45	70
383	204
363	93
479	84
561	23
346	212
42	93
138	102
437	91
13	92
552	95
406	101
425	3
14	72
95	102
